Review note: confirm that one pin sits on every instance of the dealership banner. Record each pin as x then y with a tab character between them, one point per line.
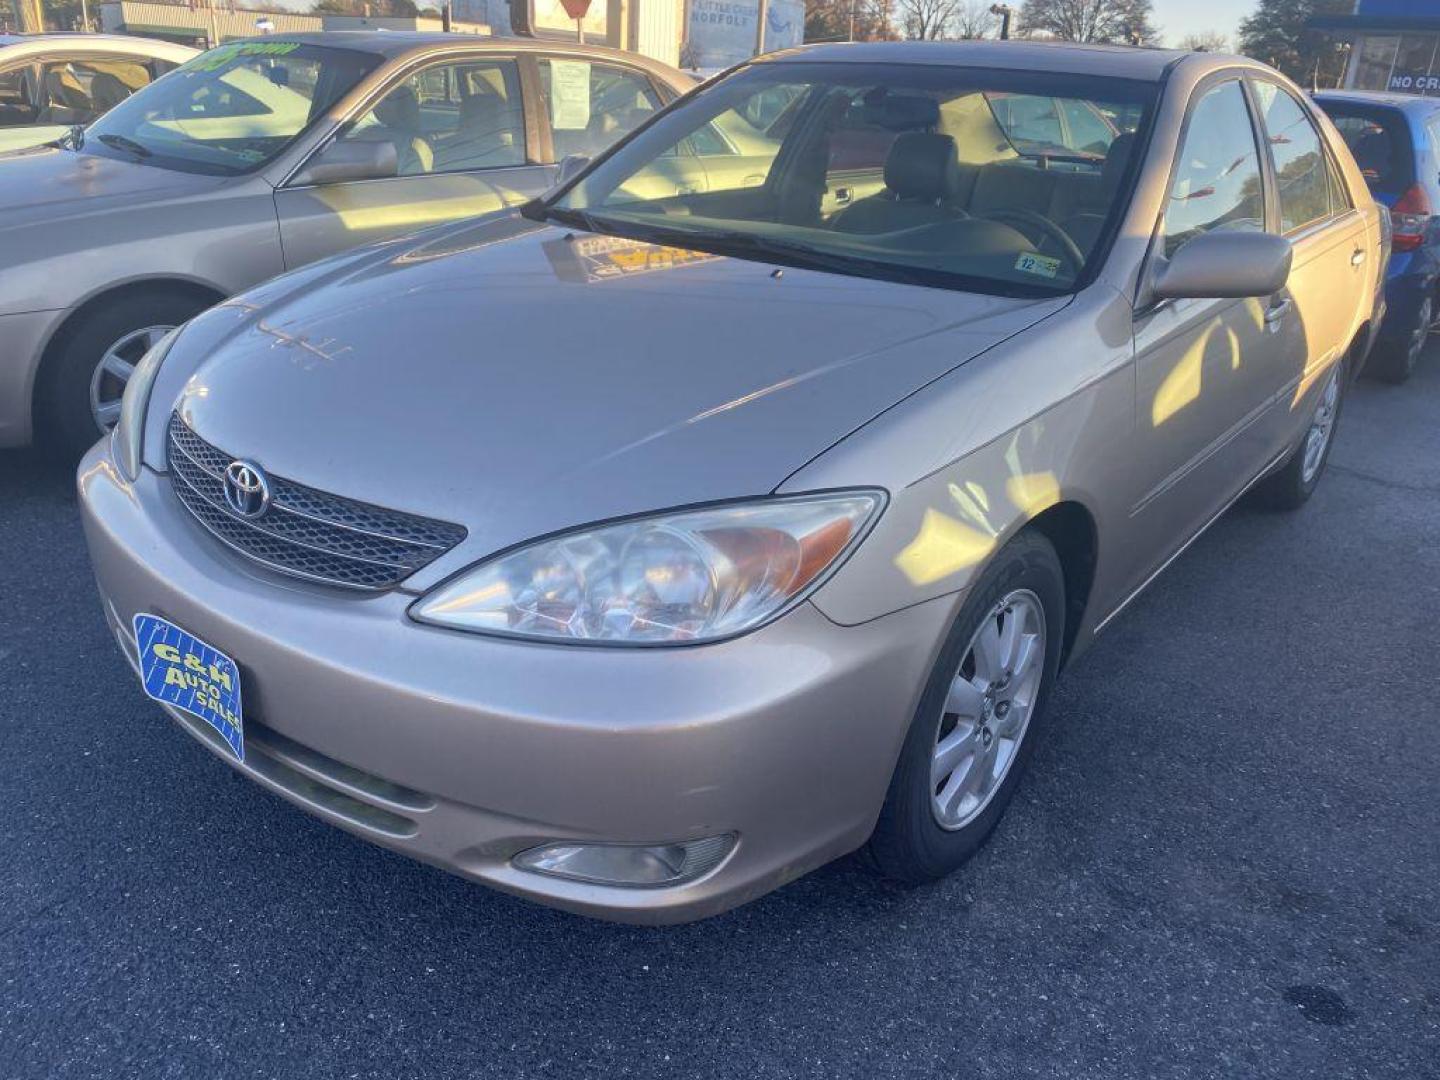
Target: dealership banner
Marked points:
1414	82
722	32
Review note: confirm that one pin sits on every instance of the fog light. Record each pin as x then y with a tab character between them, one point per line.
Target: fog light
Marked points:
641	866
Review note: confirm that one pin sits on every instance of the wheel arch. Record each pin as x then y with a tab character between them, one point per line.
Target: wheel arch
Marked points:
1071	529
205	294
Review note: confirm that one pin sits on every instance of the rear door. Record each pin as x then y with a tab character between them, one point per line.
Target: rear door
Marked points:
1330	273
466	144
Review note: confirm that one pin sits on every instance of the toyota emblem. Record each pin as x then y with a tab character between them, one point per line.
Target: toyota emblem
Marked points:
247	492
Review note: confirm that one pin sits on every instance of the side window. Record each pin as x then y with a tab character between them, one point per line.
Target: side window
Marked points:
451	117
77	91
592	105
1301	171
1339	195
1217	177
19	102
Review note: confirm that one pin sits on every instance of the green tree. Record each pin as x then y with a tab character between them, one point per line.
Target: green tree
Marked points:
1277	34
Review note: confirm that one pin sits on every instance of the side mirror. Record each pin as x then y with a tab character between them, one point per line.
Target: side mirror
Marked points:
570	167
1221	265
357	160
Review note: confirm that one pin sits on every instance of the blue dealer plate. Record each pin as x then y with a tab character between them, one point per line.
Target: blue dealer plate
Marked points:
181	670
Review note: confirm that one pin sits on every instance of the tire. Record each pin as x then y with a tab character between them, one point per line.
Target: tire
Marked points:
917	839
1394	359
1290	486
66	422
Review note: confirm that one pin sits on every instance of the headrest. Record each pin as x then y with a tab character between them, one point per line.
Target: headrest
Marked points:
922	165
1116	158
399	109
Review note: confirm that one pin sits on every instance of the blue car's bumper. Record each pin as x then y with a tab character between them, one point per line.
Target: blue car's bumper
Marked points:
1409	279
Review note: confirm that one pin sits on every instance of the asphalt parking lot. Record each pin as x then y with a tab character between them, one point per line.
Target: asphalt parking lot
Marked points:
1225	861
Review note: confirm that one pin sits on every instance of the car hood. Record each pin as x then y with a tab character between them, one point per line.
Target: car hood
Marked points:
40	185
519	379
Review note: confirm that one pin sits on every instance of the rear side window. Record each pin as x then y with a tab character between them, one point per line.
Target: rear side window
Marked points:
1380	143
1217	179
592	105
1301	170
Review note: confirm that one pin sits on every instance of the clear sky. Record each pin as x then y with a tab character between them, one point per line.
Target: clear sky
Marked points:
1176	18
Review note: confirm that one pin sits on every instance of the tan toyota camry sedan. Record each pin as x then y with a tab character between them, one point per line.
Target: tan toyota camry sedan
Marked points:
645	548
261	156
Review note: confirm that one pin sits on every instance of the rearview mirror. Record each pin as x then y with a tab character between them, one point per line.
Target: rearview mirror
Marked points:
570	166
1221	265
343	161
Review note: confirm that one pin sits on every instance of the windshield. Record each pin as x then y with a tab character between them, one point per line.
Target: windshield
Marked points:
986	180
230	110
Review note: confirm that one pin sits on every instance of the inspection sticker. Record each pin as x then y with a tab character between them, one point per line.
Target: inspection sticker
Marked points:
181	670
1034	263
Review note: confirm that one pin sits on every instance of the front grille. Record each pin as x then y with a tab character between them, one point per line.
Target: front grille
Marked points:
305	532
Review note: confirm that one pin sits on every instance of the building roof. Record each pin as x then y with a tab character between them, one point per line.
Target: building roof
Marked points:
1119	61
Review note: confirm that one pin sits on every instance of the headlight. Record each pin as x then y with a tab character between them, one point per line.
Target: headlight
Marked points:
128	442
675	578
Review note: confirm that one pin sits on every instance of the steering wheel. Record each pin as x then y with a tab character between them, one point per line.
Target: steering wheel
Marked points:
1049	228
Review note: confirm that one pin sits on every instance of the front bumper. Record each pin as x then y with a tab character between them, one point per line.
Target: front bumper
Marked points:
463	750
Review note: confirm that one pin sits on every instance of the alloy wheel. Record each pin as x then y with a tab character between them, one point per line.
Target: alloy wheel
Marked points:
1322	427
987	709
112	373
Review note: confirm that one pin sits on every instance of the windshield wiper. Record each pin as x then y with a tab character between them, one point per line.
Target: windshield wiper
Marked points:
121	142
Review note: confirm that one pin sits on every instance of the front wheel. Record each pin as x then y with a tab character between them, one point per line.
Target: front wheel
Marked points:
978	718
77	395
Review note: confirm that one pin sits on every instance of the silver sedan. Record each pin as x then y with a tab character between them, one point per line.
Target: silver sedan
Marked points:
643	549
262	156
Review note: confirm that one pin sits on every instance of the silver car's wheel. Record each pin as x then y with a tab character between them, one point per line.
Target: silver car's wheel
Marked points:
987	709
112	373
1322	428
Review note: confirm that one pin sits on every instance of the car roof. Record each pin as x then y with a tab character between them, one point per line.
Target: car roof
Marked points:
404	42
134	42
1404	102
1120	61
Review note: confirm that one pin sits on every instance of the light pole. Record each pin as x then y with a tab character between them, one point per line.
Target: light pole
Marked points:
761	16
1004	11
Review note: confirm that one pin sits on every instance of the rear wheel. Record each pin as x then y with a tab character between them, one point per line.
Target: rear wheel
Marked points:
978	718
1296	480
1395	359
77	396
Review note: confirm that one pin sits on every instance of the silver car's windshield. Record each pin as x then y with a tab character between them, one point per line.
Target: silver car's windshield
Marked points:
229	110
988	180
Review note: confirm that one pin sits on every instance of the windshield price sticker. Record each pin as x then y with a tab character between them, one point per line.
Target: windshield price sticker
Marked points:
218	57
1031	262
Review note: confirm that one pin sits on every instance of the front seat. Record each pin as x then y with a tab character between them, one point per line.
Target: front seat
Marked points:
399	115
922	180
107	91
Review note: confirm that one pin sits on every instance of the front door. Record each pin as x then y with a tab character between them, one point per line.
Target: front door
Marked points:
462	147
1207	371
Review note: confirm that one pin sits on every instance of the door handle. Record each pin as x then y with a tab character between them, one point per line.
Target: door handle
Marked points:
1277	311
1357	257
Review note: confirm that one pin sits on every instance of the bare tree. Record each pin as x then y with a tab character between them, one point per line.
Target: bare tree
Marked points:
1209	41
1125	22
926	20
972	19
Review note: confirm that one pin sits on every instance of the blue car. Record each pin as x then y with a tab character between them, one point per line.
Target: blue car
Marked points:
1396	142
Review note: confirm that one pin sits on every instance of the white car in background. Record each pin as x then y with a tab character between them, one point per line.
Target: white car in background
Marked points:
51	82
